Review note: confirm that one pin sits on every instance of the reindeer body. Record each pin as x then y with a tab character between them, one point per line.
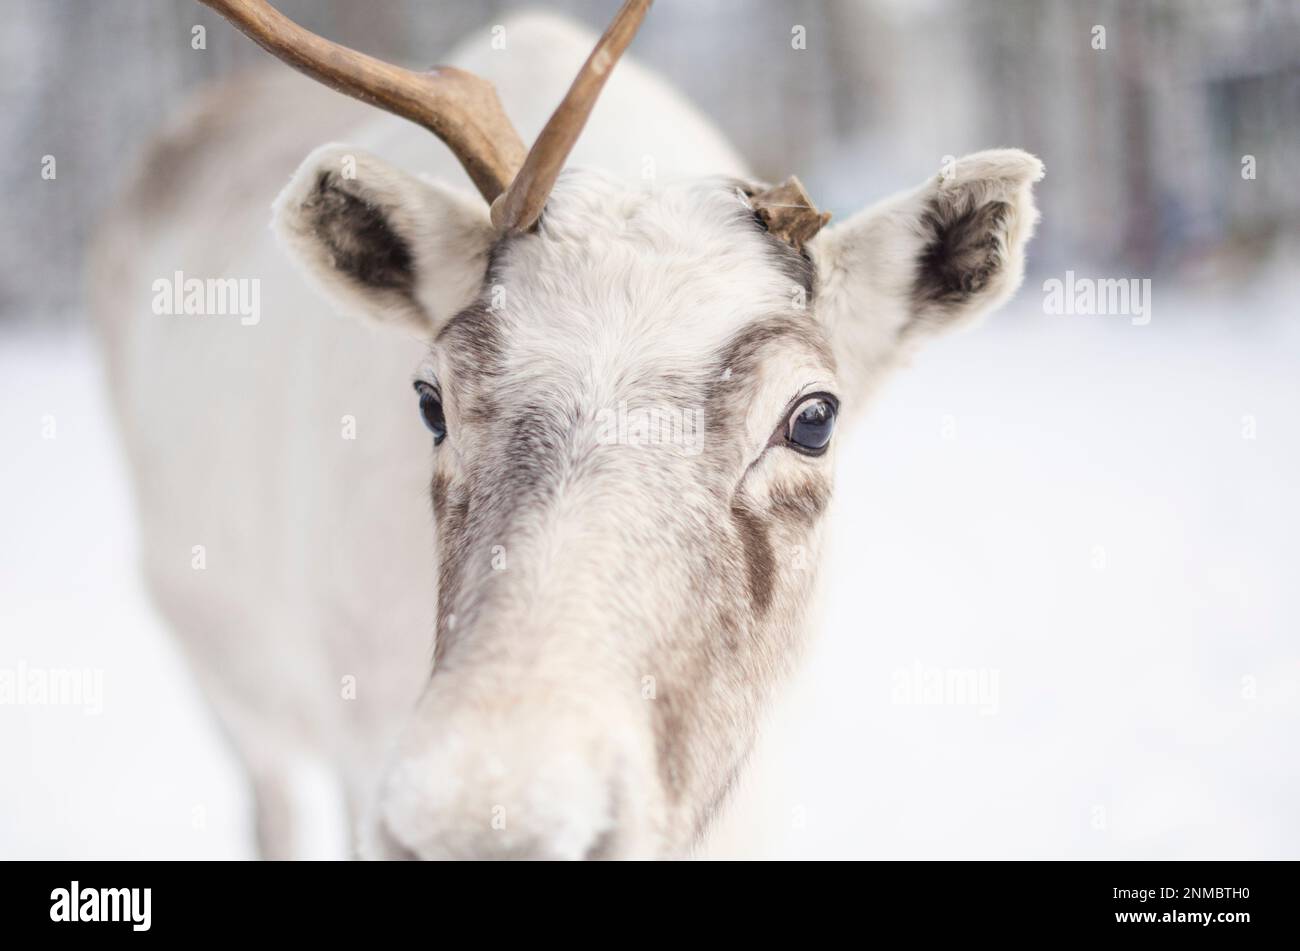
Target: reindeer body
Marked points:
284	486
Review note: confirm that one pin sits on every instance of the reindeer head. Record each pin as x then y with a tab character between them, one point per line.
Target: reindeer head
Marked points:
632	394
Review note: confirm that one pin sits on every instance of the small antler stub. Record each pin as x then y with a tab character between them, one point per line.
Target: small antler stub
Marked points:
789	213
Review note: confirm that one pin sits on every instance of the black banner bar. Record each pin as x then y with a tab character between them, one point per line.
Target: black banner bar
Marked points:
1221	901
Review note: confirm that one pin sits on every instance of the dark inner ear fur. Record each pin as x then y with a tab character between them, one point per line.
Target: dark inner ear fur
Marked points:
963	250
362	243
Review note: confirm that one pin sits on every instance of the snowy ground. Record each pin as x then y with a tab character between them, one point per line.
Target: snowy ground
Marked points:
1063	511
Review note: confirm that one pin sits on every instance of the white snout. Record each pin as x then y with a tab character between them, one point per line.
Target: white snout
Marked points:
527	784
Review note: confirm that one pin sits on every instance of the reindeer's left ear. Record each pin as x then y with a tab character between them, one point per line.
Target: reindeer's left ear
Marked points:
924	261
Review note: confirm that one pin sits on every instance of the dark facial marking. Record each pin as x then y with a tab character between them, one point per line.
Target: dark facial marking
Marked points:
801	503
742	352
760	562
671	727
363	244
474	340
962	253
451	515
474	343
740	357
539	453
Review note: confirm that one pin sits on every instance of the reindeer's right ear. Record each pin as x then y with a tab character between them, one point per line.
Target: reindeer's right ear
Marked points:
381	242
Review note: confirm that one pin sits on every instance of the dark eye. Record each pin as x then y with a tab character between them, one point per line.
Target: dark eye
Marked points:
811	424
431	410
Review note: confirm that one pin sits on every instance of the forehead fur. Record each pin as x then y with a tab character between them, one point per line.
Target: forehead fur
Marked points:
625	282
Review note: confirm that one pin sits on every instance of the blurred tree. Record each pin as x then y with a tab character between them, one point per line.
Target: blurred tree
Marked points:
1143	140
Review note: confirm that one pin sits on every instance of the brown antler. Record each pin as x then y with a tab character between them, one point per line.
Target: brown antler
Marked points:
519	208
458	107
789	213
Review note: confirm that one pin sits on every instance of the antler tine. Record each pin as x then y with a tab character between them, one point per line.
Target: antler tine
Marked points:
458	107
521	205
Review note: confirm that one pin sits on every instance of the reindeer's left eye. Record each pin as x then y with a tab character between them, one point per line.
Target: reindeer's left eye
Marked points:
431	410
811	424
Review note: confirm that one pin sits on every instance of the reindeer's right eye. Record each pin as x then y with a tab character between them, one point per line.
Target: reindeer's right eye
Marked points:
811	424
431	410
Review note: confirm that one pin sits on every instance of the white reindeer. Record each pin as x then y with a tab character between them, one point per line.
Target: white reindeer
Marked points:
568	659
